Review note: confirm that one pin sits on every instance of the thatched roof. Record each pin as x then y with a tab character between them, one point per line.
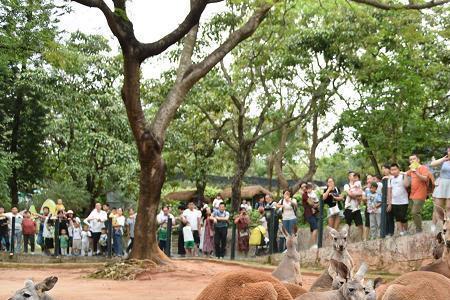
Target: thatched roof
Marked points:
247	192
181	195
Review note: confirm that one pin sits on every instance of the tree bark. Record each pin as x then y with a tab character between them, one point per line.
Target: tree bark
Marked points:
283	184
243	161
270	162
200	192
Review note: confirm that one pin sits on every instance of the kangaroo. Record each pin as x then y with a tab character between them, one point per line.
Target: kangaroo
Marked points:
35	292
442	265
438	246
340	254
416	286
352	289
289	268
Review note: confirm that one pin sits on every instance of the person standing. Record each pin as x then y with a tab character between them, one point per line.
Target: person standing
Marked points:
96	221
29	232
242	222
194	217
441	193
208	236
331	197
352	211
181	220
390	222
118	232
131	221
310	212
162	220
216	202
221	218
4	236
17	227
419	175
398	198
373	200
288	211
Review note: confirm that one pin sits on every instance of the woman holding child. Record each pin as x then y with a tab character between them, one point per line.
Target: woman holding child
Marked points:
331	197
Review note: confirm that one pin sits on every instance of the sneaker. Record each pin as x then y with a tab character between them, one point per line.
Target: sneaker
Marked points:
32	253
313	247
403	233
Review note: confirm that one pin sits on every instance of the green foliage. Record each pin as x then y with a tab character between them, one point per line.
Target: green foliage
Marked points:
74	197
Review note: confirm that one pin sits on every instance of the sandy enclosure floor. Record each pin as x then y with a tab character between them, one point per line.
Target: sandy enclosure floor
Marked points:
185	283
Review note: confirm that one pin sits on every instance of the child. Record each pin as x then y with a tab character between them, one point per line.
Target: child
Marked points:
103	242
162	236
63	242
374	209
85	235
356	188
60	205
188	238
48	234
28	231
312	198
76	238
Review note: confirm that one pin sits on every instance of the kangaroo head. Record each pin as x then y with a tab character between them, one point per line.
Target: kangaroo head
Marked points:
291	241
370	287
353	288
339	238
446	232
33	291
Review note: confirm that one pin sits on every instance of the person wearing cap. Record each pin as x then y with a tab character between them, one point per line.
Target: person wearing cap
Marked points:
441	193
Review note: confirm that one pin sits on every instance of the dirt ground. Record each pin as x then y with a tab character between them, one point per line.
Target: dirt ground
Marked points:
185	283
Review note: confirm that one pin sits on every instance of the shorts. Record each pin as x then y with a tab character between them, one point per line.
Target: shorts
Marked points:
196	237
76	244
400	212
366	218
353	216
189	245
313	223
48	242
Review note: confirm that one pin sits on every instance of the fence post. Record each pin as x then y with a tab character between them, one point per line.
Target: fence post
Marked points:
13	231
383	209
320	233
270	217
57	250
109	236
233	241
169	236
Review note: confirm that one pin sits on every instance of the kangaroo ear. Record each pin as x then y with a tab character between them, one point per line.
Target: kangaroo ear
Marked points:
47	284
333	232
377	282
344	231
440	238
361	272
340	268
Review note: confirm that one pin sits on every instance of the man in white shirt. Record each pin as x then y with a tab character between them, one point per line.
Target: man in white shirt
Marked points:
352	212
17	227
96	220
398	198
193	216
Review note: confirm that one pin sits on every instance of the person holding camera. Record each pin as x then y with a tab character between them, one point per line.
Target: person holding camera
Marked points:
331	197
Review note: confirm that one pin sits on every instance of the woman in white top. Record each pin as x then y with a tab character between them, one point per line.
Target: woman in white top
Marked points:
288	206
441	193
118	232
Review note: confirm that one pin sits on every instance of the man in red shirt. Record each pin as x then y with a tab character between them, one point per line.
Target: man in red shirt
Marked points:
29	232
419	175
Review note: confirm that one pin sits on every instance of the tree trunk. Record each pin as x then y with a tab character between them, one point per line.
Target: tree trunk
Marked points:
90	185
270	161
371	155
282	181
242	164
200	192
151	181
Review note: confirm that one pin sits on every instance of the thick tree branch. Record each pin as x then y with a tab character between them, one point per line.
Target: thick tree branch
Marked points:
147	50
219	129
196	72
387	6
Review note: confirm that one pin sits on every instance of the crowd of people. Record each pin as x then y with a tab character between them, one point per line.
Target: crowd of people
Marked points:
65	233
203	230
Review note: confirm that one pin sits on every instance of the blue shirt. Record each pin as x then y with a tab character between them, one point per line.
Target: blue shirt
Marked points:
220	214
445	170
373	199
